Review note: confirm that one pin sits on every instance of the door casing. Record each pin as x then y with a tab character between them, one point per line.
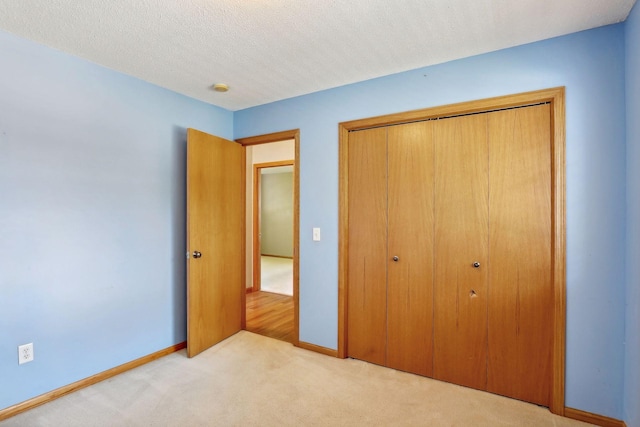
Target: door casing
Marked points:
556	98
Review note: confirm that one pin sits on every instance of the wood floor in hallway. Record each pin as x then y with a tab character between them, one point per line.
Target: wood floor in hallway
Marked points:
270	315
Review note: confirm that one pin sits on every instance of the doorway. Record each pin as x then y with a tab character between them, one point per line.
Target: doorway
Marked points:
272	266
273	220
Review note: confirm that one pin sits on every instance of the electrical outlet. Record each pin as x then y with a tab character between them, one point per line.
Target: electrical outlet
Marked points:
25	353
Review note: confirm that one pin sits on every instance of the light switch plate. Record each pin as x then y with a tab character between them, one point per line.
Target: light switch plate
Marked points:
316	234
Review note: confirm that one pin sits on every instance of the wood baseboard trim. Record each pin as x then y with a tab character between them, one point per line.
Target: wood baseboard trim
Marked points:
277	256
18	408
318	349
101	376
588	417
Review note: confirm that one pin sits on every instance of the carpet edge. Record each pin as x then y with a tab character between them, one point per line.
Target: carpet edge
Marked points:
18	408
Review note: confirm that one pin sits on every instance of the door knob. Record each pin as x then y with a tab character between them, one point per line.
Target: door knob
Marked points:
476	264
197	254
395	258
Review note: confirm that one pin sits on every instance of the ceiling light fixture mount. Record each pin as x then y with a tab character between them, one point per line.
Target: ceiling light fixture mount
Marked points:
221	87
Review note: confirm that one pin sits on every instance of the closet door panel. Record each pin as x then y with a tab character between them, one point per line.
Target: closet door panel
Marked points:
366	299
461	239
410	277
520	294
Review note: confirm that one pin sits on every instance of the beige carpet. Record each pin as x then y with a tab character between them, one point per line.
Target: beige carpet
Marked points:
276	275
250	380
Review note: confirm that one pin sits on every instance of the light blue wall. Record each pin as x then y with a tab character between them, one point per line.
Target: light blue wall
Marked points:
591	66
92	223
632	361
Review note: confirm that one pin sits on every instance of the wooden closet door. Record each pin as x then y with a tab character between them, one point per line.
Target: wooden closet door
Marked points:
367	294
521	294
461	239
410	277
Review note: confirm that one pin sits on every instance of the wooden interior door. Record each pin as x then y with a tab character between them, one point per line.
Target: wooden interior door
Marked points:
367	299
410	255
215	239
461	239
521	289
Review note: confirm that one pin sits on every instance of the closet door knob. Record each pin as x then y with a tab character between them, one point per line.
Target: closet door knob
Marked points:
476	264
197	254
395	258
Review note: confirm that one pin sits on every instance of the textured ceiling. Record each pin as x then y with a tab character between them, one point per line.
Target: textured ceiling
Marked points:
267	50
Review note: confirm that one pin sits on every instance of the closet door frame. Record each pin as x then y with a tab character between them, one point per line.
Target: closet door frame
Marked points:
556	99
